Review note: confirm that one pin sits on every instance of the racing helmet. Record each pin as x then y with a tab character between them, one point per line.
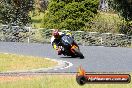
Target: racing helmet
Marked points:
55	33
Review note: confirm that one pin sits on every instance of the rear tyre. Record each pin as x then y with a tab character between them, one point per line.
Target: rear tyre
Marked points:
77	51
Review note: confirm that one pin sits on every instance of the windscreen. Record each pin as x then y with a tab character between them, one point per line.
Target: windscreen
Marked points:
67	40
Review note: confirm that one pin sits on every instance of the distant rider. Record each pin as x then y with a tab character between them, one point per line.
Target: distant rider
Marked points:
56	40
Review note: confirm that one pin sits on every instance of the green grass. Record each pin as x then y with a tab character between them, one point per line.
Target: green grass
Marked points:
55	81
11	62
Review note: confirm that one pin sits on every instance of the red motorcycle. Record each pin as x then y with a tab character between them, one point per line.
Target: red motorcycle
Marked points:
70	47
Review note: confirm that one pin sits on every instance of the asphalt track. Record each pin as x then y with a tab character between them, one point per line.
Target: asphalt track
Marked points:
97	59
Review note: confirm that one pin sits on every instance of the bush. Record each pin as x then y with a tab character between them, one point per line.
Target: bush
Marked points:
70	14
126	28
105	22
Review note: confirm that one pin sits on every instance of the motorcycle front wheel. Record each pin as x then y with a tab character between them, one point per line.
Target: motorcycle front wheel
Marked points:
77	51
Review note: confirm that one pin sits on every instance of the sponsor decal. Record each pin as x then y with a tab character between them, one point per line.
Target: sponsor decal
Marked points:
82	77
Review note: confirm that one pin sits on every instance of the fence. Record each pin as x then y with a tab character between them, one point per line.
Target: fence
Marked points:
30	35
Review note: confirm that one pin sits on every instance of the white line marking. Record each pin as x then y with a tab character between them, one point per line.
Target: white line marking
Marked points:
61	65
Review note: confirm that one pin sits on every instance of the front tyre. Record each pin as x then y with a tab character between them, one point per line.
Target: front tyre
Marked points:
77	51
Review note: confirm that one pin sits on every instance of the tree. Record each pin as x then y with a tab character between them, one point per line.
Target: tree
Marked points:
124	7
43	5
15	11
70	14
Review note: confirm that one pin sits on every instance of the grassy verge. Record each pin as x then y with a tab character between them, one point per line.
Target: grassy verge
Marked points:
55	81
11	62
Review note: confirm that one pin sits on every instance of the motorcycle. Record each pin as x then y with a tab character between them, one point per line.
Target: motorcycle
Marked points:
70	47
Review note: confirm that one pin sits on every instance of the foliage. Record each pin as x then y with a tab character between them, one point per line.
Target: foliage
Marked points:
104	23
70	14
43	5
124	8
15	11
126	28
37	21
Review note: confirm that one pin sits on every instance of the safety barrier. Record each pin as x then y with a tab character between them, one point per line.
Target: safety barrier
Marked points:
30	35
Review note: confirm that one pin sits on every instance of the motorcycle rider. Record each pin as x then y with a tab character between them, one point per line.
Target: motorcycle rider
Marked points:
56	40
